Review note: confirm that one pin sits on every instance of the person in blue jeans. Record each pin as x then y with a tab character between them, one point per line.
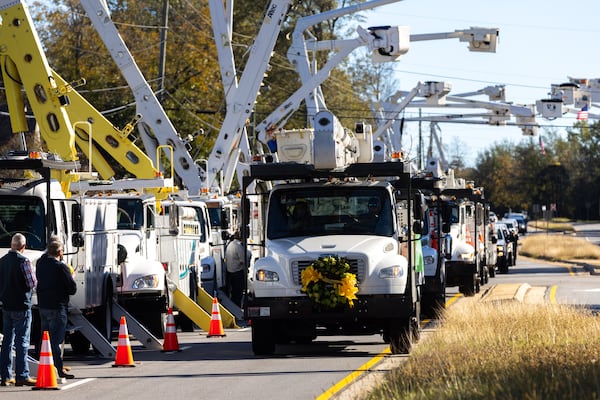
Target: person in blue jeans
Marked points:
55	285
17	283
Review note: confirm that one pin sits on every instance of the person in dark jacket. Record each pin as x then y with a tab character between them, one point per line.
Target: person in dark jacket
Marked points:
55	285
17	283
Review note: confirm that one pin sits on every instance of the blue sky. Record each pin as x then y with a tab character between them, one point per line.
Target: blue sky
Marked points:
541	42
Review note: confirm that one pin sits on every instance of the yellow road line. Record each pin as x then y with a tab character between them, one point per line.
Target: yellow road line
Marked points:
350	378
353	376
552	295
570	269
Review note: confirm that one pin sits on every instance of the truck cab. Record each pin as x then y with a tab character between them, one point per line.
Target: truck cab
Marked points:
372	226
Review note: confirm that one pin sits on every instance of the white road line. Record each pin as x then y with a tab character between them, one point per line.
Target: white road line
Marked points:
77	383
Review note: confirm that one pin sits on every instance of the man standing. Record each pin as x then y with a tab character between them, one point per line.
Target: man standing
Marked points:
17	283
234	260
55	285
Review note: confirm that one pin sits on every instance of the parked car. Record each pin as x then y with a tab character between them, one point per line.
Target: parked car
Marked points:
504	248
521	220
513	228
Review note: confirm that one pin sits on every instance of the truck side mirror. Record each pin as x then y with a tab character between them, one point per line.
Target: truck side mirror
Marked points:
417	227
76	219
224	219
77	240
445	227
447	247
121	253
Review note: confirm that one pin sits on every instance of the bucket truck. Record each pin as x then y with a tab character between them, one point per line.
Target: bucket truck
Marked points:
379	249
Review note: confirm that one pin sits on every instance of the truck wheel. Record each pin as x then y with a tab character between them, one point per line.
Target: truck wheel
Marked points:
433	304
155	323
102	319
470	286
263	338
401	335
503	265
79	343
492	270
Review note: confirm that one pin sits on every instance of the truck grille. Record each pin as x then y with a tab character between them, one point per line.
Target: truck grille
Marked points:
357	267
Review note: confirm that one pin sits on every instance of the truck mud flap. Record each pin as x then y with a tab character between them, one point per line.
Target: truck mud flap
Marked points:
192	310
139	331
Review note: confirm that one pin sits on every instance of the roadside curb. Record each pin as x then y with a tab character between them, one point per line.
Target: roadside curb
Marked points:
506	292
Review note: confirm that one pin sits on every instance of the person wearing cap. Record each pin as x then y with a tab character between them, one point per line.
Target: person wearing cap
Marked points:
375	220
301	217
55	285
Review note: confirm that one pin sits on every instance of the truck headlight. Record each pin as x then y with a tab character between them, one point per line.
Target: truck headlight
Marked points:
146	282
466	256
428	259
500	250
391	272
264	275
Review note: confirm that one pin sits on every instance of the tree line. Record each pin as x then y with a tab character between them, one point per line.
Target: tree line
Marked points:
554	171
515	176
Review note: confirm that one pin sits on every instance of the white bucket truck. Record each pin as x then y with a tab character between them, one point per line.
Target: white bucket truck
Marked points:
290	288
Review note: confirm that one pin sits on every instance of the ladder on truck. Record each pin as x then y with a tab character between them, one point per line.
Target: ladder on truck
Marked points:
100	343
197	311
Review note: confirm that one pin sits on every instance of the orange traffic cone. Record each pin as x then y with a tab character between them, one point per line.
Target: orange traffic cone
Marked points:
124	358
469	238
46	378
171	343
216	326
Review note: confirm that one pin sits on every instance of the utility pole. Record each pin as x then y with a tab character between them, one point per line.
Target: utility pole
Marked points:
163	50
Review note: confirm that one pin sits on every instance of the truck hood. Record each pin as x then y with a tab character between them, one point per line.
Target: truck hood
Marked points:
328	245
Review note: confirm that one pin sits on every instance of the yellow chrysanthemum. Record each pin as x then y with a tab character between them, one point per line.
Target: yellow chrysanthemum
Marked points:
310	275
348	289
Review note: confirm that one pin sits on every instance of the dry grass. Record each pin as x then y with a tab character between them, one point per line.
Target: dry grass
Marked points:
503	351
558	247
556	225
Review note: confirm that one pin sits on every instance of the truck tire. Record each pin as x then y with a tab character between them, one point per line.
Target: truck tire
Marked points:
470	285
102	318
434	304
503	265
263	338
492	270
79	343
401	335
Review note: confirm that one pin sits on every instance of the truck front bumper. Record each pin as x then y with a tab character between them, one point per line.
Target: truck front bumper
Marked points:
302	308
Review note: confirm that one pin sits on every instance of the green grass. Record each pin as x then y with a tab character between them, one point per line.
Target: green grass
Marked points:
503	351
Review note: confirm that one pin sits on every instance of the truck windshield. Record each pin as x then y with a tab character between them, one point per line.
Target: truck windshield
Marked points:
330	211
130	214
24	215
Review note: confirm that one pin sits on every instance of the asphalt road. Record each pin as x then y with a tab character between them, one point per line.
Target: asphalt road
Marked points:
225	368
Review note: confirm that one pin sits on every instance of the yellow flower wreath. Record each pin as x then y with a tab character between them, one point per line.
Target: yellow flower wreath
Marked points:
329	283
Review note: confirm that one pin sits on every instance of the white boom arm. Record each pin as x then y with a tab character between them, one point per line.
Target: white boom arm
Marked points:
298	52
387	44
155	127
236	160
225	149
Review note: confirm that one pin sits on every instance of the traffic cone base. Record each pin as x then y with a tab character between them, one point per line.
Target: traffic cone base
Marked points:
171	343
46	378
124	357
216	325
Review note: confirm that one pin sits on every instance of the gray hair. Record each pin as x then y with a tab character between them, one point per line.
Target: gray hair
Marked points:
18	241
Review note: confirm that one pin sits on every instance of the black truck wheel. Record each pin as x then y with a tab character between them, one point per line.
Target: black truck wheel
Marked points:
263	338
